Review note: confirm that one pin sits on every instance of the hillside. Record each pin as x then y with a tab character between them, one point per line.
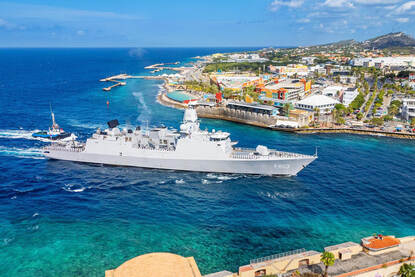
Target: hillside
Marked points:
389	40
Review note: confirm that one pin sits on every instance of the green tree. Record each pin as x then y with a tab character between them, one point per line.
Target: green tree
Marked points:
286	108
340	107
407	270
359	116
413	122
327	258
378	121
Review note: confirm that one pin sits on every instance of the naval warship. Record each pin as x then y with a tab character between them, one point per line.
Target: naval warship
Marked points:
187	149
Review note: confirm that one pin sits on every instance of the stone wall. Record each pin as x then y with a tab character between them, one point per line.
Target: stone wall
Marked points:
256	119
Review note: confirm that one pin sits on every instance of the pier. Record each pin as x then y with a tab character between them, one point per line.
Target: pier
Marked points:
157	65
116	79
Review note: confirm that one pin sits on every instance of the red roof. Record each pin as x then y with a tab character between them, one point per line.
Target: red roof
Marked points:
381	242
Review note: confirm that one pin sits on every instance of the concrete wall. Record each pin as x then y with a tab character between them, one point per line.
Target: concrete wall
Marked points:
355	249
283	265
236	115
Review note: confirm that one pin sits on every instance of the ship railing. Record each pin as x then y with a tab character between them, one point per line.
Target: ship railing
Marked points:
250	155
67	149
277	256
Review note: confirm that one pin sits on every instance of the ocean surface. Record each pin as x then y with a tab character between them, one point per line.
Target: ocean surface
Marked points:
66	219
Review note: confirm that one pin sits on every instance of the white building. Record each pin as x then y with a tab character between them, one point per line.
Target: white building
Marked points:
349	95
408	108
324	103
385	61
333	91
348	80
308	60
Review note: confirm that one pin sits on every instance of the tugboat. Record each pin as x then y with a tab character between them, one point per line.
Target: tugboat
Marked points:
54	132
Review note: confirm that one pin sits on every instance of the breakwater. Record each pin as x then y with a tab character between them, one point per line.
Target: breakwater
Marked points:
367	132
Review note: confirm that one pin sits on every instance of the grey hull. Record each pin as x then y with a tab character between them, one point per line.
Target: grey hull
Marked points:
280	167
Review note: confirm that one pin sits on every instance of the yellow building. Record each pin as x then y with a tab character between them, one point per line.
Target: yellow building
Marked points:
303	118
248	99
156	264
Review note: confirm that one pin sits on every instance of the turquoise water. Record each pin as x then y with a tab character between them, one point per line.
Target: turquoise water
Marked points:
66	219
179	96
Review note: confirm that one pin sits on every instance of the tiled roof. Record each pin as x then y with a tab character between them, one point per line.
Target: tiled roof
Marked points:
380	242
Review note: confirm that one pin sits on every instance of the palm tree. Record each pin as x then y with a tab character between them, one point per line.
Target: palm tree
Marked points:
286	108
327	258
317	114
407	270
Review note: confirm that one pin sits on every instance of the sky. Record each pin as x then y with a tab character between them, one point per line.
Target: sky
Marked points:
185	23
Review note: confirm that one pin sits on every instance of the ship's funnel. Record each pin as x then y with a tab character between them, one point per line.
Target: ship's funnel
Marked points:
113	123
190	115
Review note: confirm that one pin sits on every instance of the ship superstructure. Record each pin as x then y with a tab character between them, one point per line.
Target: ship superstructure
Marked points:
189	148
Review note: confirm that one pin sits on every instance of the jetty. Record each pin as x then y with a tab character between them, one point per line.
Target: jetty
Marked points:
153	66
116	80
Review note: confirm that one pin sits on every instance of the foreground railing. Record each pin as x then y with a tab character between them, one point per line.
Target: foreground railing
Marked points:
277	256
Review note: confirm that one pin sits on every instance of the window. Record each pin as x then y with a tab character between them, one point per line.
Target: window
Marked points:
261	272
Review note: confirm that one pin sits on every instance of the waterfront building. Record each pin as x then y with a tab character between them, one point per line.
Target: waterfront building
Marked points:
302	117
324	103
252	107
378	244
408	108
156	264
288	90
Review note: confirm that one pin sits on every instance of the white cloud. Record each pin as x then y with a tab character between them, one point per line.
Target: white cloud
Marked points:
3	22
377	2
402	19
338	4
304	20
289	3
57	13
405	7
9	26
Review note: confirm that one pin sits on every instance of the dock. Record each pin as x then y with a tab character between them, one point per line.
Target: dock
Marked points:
153	66
116	80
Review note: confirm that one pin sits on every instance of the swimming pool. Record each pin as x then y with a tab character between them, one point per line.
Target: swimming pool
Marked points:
179	96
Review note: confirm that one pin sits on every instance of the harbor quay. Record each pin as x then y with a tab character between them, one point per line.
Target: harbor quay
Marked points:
376	255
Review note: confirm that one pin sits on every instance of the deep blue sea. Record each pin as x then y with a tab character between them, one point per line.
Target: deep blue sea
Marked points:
66	219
